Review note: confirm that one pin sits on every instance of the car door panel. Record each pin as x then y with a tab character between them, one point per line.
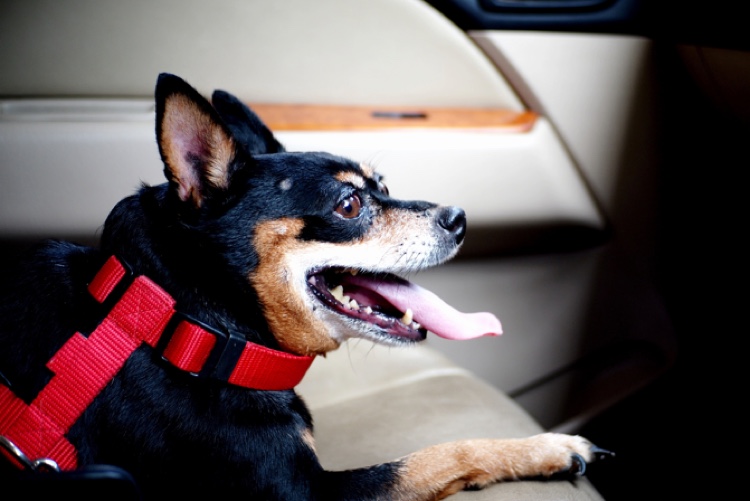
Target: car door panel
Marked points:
542	201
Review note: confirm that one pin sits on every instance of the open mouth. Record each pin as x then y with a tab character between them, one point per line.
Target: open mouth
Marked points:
368	297
399	309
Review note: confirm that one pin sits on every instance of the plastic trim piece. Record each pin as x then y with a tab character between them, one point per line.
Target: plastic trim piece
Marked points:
544	5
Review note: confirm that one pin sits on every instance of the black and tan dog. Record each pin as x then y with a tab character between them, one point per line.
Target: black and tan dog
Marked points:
172	350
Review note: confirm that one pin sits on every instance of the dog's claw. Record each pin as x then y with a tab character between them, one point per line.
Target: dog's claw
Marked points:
600	454
577	466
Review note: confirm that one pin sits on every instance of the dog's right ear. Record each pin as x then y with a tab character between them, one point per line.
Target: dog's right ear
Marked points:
247	128
197	148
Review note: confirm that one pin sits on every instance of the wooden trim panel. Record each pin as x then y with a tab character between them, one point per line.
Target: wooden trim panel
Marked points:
303	117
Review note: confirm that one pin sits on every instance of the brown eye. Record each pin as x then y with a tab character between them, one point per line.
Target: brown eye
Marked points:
349	207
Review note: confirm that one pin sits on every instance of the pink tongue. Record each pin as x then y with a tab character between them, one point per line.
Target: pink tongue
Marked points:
430	311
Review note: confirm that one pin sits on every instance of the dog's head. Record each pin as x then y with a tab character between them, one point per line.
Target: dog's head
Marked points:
321	240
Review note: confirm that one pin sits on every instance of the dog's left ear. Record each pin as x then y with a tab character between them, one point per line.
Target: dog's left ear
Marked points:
195	145
247	128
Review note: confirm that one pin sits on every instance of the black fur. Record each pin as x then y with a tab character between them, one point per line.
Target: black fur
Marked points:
245	125
170	430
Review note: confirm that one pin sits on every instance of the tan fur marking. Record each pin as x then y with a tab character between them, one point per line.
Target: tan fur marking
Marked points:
183	120
223	153
308	439
351	178
292	323
441	470
367	170
399	241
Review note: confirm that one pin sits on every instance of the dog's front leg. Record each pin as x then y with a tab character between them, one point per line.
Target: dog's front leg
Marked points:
441	470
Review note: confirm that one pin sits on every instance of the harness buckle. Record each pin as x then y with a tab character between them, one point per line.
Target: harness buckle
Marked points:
222	358
15	454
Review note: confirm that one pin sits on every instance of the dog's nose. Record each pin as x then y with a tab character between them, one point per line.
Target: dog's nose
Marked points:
453	220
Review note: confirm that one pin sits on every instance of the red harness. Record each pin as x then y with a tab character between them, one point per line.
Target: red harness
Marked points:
141	312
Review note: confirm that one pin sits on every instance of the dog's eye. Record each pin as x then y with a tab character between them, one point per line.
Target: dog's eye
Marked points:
349	207
382	188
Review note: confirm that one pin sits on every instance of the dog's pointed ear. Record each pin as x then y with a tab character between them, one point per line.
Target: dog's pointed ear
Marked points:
197	148
247	128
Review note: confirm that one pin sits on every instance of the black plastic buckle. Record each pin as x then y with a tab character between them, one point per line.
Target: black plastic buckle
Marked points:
223	357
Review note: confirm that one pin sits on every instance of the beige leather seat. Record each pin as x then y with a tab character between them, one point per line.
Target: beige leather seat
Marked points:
372	404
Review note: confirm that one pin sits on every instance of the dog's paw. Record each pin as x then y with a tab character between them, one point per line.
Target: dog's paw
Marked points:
443	469
565	455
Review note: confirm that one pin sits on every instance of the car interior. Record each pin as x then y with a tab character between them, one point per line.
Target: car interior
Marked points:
595	146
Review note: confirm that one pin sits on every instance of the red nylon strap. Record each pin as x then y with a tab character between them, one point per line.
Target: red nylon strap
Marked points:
189	347
258	367
107	279
266	369
85	365
82	367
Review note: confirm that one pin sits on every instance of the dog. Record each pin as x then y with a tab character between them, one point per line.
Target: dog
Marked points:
171	350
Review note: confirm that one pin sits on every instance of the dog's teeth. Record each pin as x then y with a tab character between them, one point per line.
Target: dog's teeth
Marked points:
367	310
353	304
416	326
353	271
408	316
338	292
345	299
311	280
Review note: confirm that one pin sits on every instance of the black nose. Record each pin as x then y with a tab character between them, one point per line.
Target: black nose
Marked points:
453	219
